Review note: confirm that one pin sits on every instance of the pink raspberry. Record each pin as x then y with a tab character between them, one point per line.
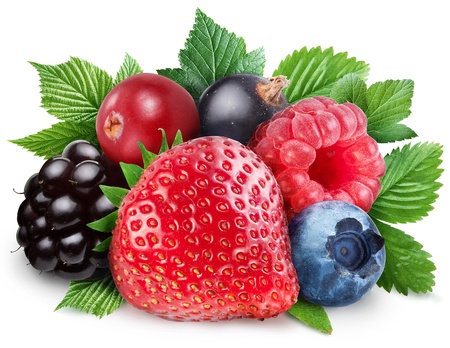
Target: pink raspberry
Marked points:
320	150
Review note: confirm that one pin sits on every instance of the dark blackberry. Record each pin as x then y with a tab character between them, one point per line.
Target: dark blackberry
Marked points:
60	200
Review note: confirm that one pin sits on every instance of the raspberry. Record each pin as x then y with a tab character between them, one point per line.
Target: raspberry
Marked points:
320	150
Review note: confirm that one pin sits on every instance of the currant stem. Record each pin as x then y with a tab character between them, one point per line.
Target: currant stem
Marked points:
271	92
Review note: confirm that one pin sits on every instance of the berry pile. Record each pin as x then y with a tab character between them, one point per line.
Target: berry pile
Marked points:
262	204
59	201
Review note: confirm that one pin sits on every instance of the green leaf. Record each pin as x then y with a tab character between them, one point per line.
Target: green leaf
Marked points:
252	63
393	133
147	156
106	223
212	52
99	297
132	173
351	88
312	315
178	138
314	72
384	103
103	246
409	185
73	90
51	141
114	194
164	144
128	68
407	266
190	81
388	103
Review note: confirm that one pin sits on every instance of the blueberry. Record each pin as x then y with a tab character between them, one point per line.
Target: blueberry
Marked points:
337	251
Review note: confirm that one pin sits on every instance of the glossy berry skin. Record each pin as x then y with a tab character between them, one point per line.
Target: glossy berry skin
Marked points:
337	251
135	110
234	105
58	202
203	236
320	150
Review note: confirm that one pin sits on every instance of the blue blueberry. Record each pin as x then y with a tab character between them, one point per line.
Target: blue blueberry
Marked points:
337	251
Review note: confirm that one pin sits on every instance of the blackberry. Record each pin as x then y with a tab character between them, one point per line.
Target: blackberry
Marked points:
59	201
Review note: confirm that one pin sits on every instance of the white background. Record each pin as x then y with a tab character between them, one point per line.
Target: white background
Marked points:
399	39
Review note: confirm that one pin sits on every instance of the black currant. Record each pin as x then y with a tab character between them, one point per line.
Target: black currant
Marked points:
234	105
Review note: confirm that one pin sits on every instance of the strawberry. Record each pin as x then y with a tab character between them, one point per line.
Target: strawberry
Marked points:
203	236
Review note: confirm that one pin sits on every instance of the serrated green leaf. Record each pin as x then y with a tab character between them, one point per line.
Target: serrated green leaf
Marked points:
312	315
99	297
106	223
51	141
350	88
128	68
407	266
114	194
253	62
314	72
393	133
132	173
73	90
212	52
191	82
388	103
410	184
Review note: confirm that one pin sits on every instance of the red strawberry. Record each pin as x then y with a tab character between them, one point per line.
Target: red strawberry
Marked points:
203	236
320	150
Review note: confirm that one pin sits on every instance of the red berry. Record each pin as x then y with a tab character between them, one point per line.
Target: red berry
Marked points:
135	110
320	150
203	236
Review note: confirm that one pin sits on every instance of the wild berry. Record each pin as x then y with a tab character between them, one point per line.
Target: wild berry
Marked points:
59	201
203	236
337	251
136	109
320	150
234	105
